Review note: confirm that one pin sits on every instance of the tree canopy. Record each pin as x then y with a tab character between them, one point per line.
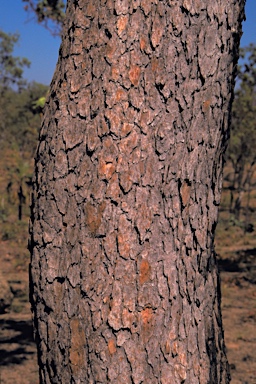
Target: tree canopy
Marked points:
11	67
49	13
20	109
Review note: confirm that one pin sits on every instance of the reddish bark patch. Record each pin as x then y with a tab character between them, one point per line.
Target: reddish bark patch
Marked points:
121	23
145	271
114	73
147	318
94	216
146	6
134	74
180	371
167	348
76	351
120	94
206	105
106	170
185	193
143	43
112	346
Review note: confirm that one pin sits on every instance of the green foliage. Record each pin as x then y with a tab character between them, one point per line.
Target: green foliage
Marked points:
39	104
49	13
20	120
19	126
11	68
243	132
247	69
20	110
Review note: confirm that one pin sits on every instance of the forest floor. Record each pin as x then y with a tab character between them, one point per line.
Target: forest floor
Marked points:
18	361
238	286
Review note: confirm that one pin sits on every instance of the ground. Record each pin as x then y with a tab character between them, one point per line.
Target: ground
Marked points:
18	361
238	286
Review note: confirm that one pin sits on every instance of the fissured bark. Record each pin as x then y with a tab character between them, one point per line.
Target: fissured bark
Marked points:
124	283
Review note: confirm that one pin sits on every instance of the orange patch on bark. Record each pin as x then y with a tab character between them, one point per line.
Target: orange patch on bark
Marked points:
83	65
146	6
134	74
180	371
106	170
147	317
206	105
115	73
167	348
145	270
120	94
185	193
121	23
175	348
112	346
78	343
143	43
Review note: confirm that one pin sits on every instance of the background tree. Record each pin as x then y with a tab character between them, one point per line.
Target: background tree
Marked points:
21	119
124	282
49	13
11	67
241	151
19	125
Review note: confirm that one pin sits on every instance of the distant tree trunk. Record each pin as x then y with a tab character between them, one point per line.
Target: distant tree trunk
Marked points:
248	227
22	201
124	283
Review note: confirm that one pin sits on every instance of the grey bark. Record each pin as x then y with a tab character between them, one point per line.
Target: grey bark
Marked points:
124	282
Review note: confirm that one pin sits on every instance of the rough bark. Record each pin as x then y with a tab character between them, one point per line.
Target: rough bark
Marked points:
124	283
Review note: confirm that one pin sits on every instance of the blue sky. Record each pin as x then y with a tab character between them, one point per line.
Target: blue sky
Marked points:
41	48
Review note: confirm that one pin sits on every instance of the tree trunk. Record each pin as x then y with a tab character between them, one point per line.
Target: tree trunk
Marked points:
124	282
